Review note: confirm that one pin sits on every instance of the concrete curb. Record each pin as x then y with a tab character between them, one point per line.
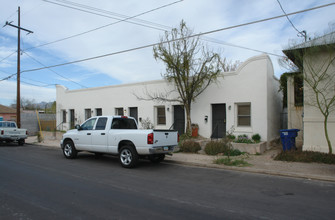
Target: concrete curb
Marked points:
216	166
251	170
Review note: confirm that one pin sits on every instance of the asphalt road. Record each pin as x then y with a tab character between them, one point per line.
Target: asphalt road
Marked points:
39	183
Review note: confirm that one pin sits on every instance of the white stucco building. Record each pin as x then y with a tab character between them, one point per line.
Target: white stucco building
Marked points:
246	99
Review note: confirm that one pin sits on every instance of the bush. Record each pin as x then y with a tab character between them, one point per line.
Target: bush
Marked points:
306	156
231	137
215	147
220	147
189	146
243	139
256	138
234	152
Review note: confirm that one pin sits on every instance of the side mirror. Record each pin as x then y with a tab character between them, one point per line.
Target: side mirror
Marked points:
78	127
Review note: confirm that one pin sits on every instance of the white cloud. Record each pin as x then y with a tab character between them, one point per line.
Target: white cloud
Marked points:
51	22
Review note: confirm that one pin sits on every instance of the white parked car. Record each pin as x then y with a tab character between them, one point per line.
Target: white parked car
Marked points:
119	135
10	133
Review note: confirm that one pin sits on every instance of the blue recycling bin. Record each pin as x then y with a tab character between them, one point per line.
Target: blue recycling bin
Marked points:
287	137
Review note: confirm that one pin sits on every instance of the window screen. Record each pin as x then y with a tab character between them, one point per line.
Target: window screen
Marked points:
243	115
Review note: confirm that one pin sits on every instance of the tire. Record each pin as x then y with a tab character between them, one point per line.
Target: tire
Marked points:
69	150
21	142
128	156
156	158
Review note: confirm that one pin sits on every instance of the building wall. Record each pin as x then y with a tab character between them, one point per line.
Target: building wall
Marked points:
314	135
8	116
253	82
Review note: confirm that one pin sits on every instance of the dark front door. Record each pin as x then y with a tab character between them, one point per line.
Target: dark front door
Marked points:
218	120
179	119
133	113
72	118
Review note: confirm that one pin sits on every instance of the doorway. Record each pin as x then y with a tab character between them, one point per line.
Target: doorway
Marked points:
179	119
218	121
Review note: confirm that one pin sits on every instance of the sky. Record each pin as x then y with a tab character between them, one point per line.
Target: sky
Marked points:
71	30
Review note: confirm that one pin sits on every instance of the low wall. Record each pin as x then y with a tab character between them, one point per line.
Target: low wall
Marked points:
251	148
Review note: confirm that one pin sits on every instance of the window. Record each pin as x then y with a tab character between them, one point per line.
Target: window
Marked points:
119	111
98	111
88	125
101	124
64	116
87	113
123	123
298	90
243	114
161	120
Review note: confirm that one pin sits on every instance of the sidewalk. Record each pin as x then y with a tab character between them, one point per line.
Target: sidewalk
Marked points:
263	164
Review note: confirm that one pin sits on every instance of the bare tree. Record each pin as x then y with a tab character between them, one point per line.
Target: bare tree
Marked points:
190	66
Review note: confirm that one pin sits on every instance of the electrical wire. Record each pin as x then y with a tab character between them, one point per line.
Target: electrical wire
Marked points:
107	25
300	33
195	35
45	67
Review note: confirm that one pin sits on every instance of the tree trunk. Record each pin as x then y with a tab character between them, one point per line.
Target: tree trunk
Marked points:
188	119
325	126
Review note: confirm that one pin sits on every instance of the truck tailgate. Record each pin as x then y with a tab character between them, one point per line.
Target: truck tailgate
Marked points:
165	138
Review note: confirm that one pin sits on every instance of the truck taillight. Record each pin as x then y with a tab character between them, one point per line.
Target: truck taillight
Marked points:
178	138
2	132
151	138
26	132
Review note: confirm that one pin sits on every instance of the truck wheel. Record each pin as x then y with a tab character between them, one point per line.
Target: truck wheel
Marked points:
21	142
128	156
156	158
69	150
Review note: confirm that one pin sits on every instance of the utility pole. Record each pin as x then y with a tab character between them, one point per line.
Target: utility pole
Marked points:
18	96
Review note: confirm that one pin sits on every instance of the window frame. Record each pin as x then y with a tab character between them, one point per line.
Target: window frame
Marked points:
63	116
88	113
238	116
118	110
159	116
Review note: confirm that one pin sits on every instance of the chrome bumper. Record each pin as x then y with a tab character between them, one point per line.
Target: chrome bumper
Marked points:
161	150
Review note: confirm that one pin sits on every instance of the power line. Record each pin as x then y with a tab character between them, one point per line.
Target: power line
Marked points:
300	33
44	66
98	28
195	35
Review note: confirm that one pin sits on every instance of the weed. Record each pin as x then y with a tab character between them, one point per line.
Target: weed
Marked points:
232	162
306	156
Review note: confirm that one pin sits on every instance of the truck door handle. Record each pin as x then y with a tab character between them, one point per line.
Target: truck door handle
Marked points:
103	133
88	133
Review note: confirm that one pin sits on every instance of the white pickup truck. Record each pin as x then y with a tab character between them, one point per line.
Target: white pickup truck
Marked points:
10	133
118	135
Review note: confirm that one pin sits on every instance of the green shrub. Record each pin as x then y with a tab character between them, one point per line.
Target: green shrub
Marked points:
234	152
215	147
243	139
220	147
231	137
189	146
256	138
